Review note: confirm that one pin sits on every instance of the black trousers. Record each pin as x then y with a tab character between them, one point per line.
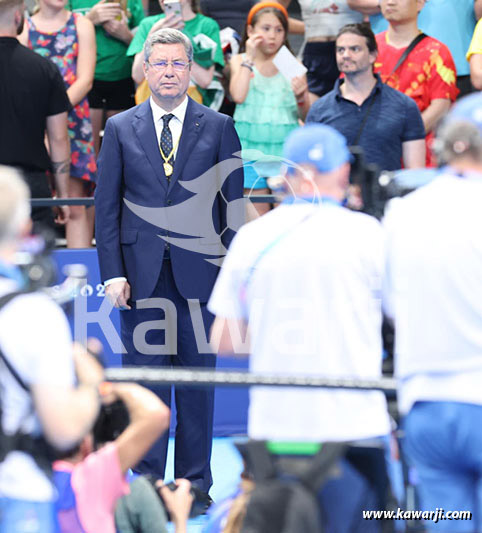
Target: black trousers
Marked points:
38	183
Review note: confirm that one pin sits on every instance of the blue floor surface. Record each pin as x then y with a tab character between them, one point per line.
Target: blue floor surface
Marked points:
226	466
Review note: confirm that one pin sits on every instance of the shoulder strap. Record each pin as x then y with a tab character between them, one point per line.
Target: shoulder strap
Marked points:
37	447
365	118
4	300
408	50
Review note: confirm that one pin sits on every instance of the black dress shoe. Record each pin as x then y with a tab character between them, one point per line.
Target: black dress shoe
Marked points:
201	501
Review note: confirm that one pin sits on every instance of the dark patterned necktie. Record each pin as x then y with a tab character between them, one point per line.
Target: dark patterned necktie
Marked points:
166	139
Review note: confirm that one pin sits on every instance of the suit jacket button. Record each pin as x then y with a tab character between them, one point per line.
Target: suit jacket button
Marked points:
169	202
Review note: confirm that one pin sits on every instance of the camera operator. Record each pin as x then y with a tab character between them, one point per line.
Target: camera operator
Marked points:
92	477
307	279
40	405
434	294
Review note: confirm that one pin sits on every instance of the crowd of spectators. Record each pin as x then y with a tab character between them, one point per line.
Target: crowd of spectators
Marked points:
107	77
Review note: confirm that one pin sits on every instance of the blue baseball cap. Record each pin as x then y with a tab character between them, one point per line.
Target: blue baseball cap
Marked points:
316	144
467	109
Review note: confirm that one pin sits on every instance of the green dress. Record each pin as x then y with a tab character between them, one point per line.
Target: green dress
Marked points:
263	121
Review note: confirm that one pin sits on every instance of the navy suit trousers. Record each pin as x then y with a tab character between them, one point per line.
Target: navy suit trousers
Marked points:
194	426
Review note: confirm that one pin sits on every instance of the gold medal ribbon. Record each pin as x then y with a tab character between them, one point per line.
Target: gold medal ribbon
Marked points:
168	169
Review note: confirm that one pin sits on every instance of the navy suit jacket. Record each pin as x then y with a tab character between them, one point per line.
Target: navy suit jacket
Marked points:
131	175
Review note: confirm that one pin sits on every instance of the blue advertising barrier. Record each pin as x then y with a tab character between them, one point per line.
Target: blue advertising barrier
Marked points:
88	319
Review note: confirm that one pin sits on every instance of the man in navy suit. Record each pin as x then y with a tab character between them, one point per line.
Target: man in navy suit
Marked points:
157	160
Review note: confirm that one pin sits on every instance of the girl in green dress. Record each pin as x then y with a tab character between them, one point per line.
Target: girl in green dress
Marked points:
268	105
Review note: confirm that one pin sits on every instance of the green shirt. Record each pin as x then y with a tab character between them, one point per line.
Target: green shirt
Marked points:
112	62
196	26
141	510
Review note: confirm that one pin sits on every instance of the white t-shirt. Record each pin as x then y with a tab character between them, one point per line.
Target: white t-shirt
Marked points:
35	338
324	18
313	303
433	290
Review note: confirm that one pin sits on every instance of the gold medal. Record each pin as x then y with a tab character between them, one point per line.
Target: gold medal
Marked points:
167	169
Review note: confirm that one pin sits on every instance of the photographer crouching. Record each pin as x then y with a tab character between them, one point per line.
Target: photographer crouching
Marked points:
91	477
41	406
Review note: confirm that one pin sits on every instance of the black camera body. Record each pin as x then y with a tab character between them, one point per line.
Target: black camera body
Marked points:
35	261
200	499
377	187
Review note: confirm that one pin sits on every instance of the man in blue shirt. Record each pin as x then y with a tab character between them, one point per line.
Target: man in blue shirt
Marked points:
384	122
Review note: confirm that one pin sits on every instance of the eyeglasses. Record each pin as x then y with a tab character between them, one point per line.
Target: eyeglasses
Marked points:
176	65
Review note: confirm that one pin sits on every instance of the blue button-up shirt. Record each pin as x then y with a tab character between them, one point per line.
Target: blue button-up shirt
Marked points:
393	119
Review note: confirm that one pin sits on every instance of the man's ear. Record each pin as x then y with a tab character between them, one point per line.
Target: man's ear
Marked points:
373	57
420	4
344	175
18	16
145	68
26	228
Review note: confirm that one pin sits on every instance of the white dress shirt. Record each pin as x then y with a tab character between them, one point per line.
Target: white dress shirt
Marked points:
175	125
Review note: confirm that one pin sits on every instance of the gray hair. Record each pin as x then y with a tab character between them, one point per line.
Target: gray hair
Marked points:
457	139
14	204
167	36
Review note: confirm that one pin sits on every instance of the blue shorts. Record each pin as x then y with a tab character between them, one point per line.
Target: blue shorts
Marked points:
256	173
252	180
22	516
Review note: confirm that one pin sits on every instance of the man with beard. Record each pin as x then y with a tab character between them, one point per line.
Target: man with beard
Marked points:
32	101
383	121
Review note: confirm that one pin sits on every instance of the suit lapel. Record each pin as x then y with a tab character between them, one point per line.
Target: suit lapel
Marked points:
192	126
146	133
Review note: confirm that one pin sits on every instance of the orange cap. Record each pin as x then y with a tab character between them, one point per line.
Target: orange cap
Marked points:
264	5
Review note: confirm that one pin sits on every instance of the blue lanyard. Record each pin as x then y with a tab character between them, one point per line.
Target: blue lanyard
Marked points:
12	272
318	202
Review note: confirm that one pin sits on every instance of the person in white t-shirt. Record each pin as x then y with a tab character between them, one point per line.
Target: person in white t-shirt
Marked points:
37	395
323	19
306	278
433	293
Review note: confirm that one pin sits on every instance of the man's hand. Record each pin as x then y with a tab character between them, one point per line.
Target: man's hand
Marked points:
119	29
178	502
104	11
62	214
118	293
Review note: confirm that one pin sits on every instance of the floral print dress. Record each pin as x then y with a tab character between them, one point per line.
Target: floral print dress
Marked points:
62	48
